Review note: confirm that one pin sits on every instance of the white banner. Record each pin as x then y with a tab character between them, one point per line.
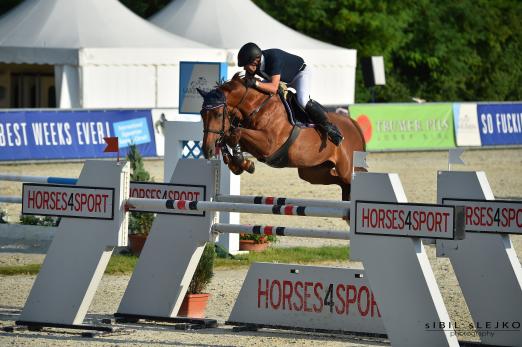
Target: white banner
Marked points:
410	220
491	216
68	201
466	124
148	190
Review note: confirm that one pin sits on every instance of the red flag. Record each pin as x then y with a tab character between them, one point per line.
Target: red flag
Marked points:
112	144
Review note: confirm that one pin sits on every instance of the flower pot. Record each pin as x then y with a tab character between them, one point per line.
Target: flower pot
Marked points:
194	306
136	243
251	245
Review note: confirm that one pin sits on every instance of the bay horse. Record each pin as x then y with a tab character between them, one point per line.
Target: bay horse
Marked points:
234	114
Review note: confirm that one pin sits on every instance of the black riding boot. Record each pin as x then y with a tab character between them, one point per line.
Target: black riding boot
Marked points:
318	116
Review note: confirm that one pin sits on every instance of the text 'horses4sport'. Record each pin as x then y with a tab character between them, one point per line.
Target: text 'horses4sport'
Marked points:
249	120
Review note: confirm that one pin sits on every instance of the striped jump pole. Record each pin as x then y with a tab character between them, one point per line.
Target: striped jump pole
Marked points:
38	179
11	199
171	206
272	200
280	231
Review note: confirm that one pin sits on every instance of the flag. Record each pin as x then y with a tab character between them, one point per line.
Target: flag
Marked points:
359	159
454	156
112	144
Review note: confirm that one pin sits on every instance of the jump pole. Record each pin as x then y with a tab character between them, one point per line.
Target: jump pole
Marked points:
161	205
280	231
38	179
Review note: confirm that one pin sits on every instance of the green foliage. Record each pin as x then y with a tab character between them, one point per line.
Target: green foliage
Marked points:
294	255
45	221
8	5
139	222
205	270
28	269
121	264
124	264
145	8
464	50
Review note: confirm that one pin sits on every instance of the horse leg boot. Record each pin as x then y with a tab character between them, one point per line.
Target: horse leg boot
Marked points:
318	116
239	160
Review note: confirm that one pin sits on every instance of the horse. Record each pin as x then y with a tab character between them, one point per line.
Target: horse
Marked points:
255	122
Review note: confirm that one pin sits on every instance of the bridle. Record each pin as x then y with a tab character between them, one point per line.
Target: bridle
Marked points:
231	116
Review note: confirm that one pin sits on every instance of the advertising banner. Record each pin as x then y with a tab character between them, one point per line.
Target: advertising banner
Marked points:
68	201
33	135
200	75
466	124
500	124
406	126
409	220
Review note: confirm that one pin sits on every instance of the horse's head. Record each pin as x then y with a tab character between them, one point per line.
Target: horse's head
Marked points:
218	113
215	122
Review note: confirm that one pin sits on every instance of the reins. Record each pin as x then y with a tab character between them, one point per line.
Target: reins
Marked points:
226	115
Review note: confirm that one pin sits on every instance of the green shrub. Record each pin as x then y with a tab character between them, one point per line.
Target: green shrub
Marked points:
139	222
45	221
205	270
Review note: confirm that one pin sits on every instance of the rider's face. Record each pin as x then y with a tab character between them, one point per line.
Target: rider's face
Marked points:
251	68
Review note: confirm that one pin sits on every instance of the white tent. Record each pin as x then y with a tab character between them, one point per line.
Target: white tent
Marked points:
229	24
100	53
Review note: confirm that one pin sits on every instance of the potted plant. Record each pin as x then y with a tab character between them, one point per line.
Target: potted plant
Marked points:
255	242
195	301
139	222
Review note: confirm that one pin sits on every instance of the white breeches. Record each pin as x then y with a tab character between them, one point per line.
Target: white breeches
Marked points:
302	83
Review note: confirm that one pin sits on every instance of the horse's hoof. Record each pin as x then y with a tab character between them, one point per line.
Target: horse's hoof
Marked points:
236	170
249	166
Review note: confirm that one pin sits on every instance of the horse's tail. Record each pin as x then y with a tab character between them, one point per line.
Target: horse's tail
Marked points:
359	130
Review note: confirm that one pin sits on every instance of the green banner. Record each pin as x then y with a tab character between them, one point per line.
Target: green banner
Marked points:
405	126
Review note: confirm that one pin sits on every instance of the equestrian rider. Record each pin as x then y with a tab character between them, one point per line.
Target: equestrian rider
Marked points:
275	65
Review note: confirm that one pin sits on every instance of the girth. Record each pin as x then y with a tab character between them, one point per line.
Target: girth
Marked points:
280	157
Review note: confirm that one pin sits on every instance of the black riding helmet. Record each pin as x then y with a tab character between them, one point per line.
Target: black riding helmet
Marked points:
248	53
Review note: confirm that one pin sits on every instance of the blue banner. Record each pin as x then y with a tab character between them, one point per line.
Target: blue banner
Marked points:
500	124
33	135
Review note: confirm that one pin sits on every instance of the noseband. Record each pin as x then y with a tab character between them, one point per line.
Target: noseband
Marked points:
222	102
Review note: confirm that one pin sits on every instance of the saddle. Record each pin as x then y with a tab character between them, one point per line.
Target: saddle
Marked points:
297	116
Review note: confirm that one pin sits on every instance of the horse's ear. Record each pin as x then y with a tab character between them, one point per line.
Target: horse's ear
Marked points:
202	92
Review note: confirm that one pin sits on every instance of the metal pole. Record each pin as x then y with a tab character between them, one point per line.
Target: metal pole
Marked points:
174	206
281	231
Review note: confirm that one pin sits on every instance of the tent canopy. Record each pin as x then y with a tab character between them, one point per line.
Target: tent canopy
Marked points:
53	31
230	24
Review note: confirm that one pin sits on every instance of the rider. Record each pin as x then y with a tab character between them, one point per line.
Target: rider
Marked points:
275	65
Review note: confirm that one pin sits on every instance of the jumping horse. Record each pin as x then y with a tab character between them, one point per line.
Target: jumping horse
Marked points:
255	122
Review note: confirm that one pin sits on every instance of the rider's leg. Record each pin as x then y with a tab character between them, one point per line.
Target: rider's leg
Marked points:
302	84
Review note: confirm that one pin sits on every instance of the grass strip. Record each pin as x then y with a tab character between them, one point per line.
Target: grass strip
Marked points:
124	264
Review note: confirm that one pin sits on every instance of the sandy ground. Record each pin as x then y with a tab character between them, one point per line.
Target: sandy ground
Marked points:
418	175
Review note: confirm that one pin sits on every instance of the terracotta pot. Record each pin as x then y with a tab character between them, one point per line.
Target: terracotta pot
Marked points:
136	243
250	245
194	306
